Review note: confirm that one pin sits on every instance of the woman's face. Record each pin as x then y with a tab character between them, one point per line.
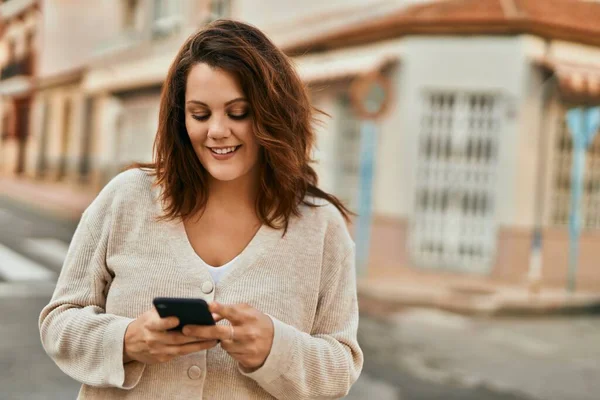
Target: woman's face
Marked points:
218	120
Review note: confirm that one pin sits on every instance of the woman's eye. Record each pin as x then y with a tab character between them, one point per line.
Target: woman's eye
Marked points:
238	115
200	117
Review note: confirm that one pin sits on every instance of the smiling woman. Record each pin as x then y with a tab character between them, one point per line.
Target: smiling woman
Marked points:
229	212
219	124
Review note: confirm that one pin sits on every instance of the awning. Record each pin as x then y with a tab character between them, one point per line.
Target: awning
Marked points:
345	63
577	83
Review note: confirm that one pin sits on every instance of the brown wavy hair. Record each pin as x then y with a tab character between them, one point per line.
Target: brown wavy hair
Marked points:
283	124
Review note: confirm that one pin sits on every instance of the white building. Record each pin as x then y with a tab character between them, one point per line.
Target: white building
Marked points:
474	152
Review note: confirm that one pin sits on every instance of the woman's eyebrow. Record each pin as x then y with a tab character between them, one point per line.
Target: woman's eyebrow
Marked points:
236	100
198	102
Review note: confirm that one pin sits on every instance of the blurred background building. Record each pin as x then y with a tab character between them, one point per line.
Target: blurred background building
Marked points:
473	156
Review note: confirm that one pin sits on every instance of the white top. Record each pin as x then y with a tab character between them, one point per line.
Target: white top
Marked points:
217	272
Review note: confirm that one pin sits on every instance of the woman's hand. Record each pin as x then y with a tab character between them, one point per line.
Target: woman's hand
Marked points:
147	340
248	339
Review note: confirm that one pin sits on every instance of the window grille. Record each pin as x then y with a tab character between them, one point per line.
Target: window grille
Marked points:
453	223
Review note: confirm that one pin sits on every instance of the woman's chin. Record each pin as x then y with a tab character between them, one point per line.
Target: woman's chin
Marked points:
225	176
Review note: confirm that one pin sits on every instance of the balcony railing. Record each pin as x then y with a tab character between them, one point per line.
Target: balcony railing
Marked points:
22	67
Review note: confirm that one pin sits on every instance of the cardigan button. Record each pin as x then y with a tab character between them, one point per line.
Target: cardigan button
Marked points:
194	372
207	287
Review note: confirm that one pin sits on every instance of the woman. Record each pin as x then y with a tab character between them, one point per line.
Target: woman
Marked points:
230	190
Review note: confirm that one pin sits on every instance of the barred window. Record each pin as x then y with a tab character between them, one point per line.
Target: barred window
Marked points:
562	168
453	224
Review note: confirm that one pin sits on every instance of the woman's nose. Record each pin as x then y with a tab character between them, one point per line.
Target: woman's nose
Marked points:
218	130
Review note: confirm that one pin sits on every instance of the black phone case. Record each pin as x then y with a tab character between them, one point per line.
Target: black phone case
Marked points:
189	311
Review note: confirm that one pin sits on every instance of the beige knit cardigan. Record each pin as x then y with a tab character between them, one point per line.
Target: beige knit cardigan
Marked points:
121	257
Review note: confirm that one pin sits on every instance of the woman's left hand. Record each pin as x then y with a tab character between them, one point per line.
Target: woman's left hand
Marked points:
249	337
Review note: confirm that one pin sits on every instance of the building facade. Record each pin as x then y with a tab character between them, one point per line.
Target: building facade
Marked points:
125	78
472	157
474	153
19	43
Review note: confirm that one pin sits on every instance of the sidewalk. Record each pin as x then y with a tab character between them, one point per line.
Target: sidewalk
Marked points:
61	200
467	294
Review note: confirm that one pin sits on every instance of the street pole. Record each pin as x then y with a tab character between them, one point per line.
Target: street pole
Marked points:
583	124
368	141
370	95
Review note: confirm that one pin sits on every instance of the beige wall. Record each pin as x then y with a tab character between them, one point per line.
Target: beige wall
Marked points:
527	150
72	30
327	133
389	188
388	257
575	53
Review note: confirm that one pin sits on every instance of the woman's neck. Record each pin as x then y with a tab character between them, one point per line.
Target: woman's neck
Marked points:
234	196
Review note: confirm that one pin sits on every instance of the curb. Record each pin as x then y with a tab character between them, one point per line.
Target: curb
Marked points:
381	303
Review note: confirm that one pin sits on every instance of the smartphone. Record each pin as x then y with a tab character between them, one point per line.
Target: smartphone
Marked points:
189	311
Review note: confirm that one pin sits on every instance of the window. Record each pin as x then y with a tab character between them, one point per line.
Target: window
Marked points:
563	161
348	154
220	9
453	220
130	12
168	16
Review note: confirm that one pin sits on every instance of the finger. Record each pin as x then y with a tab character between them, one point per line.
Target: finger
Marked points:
234	348
156	323
173	338
207	332
217	317
191	348
235	313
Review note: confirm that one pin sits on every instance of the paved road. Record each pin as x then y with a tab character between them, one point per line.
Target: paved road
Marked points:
549	358
35	245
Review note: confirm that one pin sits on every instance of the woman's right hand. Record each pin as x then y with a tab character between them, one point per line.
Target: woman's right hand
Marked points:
148	341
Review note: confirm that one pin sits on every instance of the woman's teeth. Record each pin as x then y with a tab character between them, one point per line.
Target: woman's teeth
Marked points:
224	150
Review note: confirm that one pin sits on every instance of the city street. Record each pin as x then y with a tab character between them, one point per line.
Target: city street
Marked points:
419	354
459	139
